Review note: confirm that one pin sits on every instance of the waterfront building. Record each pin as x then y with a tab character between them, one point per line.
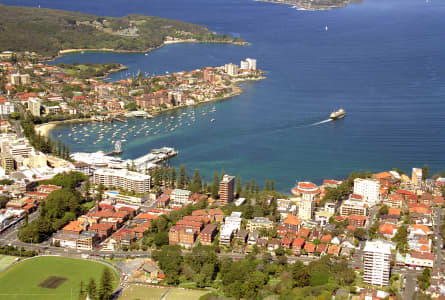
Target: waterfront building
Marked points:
252	63
416	177
226	189
377	262
308	191
369	189
244	65
231	69
128	180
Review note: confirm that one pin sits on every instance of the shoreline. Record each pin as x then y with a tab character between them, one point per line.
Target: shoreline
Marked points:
164	43
45	128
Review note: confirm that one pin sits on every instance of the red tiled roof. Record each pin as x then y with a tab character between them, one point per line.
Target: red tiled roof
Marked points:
387	228
326	238
298	242
309	247
304	232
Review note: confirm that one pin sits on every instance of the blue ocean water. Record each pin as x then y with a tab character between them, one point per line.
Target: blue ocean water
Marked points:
383	61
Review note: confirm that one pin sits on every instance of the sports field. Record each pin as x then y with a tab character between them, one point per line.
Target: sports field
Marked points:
49	277
142	292
5	261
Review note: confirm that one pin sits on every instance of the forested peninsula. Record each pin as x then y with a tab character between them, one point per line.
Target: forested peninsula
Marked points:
48	31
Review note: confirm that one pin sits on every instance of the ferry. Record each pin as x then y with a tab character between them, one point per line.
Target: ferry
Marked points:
339	114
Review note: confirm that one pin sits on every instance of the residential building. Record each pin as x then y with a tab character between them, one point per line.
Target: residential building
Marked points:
226	189
354	206
207	234
416	177
258	223
231	69
377	262
308	191
20	79
420	259
180	196
6	108
128	180
369	189
35	106
229	228
7	162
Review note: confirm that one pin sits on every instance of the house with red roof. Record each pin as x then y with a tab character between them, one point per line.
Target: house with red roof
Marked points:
286	242
388	230
309	247
297	244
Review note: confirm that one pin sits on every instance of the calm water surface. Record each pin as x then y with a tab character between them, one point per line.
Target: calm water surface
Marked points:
383	61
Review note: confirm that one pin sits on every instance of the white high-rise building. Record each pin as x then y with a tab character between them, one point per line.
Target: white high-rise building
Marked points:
369	189
307	191
34	106
128	180
416	177
244	65
252	63
377	262
6	108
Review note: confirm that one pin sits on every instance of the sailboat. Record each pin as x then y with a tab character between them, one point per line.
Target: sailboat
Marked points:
326	28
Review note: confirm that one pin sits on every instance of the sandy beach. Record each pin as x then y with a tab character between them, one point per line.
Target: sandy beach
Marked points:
45	128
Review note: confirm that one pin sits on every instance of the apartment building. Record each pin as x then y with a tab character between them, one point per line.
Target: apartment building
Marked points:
369	189
354	206
377	262
128	180
258	223
226	189
416	177
207	234
180	196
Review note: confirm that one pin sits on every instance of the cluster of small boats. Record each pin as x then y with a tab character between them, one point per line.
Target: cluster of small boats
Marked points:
98	132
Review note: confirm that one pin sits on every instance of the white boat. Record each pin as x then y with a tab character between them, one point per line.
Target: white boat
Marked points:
212	120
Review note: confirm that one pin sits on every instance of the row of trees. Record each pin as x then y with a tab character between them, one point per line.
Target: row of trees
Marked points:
43	144
101	292
182	180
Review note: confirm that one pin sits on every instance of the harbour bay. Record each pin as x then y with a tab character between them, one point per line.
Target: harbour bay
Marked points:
393	91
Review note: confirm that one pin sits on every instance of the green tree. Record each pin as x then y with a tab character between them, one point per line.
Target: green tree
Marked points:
92	290
180	184
239	186
215	186
425	172
197	182
106	284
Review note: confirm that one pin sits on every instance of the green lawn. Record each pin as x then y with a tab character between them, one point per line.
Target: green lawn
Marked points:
5	261
22	280
142	292
180	294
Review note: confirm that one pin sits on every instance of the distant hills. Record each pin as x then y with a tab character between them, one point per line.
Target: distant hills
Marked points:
47	31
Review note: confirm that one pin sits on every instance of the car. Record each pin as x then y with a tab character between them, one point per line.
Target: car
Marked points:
357	268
